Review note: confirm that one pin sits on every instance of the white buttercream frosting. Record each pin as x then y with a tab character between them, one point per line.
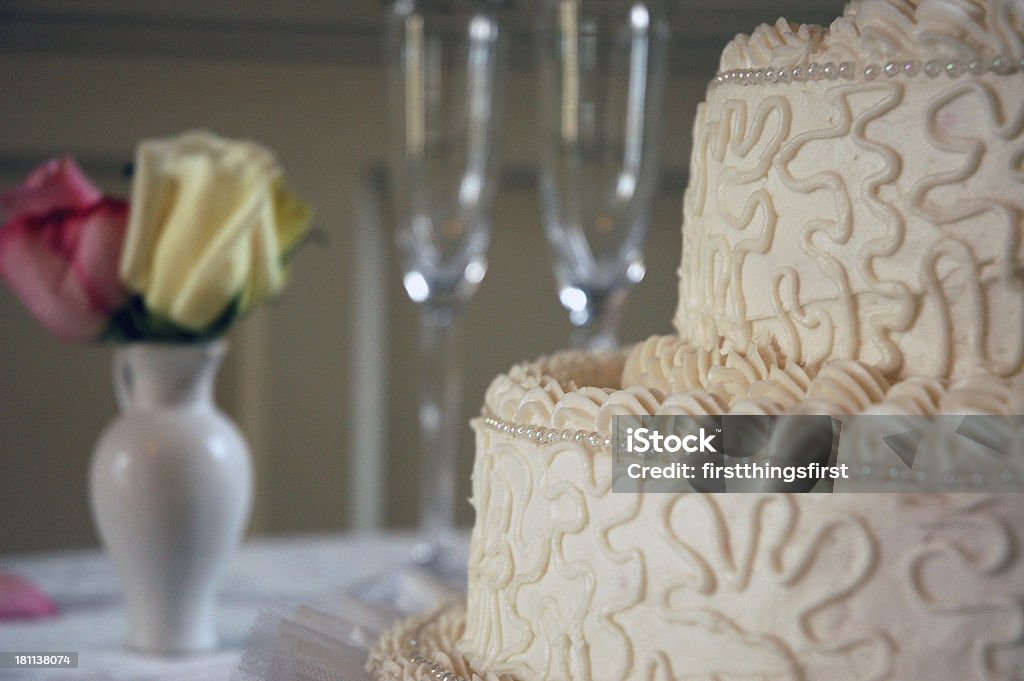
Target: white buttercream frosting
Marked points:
904	255
548	393
569	580
870	220
881	30
430	641
670	366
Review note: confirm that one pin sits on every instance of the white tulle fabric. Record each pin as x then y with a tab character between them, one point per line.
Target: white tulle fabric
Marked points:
361	636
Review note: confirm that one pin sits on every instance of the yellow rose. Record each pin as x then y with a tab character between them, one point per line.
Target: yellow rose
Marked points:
211	224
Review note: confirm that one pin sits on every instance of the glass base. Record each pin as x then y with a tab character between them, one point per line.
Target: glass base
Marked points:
441	557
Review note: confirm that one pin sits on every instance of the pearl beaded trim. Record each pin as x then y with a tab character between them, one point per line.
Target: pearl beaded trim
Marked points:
543	436
595	440
436	669
849	71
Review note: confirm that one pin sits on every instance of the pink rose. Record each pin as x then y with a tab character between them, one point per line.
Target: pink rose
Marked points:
60	250
57	184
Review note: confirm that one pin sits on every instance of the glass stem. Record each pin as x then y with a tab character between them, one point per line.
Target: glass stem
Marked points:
440	418
600	330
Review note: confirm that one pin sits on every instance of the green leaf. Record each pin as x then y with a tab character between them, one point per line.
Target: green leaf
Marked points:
136	322
292	219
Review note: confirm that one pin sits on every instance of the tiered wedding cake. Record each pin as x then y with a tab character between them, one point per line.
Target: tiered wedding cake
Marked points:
853	242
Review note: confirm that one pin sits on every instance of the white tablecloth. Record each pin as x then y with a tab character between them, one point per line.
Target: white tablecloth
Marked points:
265	573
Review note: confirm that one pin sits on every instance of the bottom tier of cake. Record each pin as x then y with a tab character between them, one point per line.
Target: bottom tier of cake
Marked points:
569	580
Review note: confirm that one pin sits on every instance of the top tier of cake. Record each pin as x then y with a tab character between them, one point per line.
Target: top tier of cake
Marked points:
857	192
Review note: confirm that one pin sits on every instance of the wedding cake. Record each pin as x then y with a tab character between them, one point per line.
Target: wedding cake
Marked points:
853	243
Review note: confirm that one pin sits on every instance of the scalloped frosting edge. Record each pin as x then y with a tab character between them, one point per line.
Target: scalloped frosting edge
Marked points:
577	391
424	647
962	30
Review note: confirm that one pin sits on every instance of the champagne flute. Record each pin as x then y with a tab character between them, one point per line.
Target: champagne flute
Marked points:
445	65
602	67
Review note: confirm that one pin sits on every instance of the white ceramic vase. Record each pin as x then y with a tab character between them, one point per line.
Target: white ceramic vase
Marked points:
171	488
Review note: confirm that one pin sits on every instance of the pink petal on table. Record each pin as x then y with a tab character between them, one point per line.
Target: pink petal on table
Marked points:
57	184
21	599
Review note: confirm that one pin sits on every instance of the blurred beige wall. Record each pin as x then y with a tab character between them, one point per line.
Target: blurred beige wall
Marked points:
90	78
